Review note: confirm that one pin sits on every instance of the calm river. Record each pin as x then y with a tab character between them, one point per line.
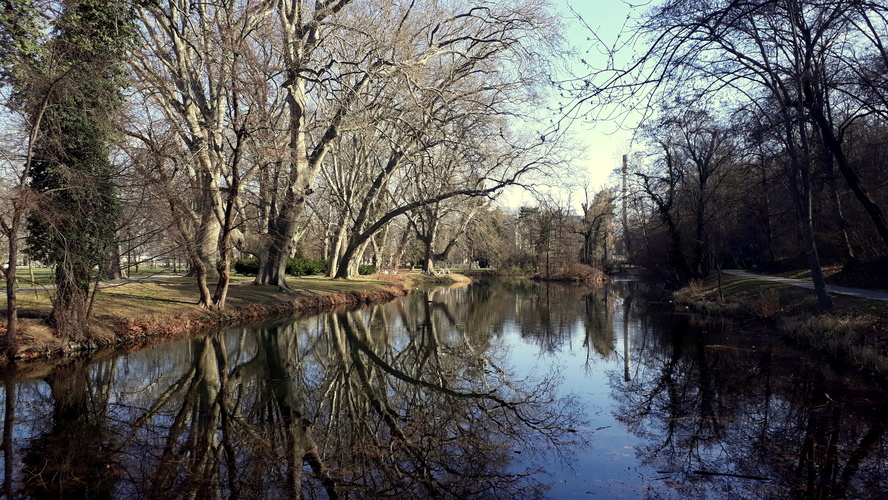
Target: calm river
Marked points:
496	390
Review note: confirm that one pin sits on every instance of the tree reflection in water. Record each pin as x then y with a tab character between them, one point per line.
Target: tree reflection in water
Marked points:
417	399
732	421
75	455
400	401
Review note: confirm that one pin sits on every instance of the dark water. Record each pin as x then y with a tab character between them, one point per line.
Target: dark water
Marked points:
497	390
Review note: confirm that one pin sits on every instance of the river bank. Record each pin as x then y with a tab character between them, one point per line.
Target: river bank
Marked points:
138	313
853	334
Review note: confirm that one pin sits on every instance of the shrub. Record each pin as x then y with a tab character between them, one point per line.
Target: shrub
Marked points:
301	266
579	273
696	289
768	304
365	270
523	262
248	266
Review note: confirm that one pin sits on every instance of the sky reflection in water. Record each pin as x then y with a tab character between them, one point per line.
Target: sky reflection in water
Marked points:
695	408
498	390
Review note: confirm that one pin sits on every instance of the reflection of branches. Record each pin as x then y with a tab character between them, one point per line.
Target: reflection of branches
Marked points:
870	441
232	426
449	435
8	425
598	321
373	403
162	401
721	421
277	405
360	346
192	431
384	410
76	455
516	407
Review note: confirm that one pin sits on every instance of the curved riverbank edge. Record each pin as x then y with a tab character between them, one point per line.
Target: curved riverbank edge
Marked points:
852	335
133	331
134	327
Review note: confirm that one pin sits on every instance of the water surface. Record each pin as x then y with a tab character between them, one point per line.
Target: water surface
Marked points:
497	390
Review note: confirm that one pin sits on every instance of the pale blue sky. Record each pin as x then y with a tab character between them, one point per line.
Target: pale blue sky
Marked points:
606	143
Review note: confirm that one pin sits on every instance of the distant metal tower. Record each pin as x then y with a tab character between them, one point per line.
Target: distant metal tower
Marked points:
625	206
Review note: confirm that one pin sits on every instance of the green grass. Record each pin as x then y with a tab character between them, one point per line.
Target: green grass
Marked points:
805	274
42	276
144	271
169	294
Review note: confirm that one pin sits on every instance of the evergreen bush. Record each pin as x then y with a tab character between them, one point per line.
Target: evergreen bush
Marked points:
300	266
248	266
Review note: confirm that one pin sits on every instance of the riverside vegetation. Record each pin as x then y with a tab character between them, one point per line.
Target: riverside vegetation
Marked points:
853	333
151	306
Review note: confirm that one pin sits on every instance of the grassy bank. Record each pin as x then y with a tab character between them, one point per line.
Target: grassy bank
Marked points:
140	312
854	333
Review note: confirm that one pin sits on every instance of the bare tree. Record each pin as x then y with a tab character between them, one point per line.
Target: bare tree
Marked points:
188	74
446	133
23	77
304	27
786	54
439	226
699	156
596	224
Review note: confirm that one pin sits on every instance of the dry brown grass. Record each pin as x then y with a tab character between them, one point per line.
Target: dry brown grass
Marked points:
574	273
768	306
696	289
857	340
417	279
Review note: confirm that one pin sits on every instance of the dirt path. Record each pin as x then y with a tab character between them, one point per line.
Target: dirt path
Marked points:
854	292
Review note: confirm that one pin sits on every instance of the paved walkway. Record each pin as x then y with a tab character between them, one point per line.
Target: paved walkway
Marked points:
854	292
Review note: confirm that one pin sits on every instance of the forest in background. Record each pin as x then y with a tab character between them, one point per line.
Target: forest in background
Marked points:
766	137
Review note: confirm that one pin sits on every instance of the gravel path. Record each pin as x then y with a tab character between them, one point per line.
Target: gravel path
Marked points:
854	292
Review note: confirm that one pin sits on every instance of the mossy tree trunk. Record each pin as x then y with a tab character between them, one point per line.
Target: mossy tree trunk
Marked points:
76	215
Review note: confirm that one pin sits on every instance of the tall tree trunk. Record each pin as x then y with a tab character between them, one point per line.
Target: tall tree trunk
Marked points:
677	258
826	162
398	256
112	269
815	106
355	264
698	266
802	197
428	254
274	271
769	230
299	42
840	214
342	272
227	246
336	249
208	244
195	263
